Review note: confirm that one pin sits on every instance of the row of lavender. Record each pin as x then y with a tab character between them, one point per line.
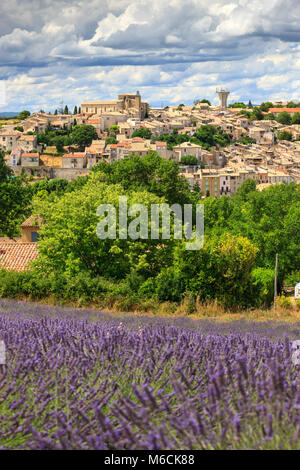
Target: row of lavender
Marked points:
84	380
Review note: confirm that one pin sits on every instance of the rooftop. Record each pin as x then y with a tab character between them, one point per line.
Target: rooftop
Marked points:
16	256
32	221
30	155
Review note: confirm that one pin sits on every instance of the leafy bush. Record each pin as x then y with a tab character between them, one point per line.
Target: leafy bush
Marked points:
262	286
284	302
169	285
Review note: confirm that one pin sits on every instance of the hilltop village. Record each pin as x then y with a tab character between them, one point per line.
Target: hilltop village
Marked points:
217	147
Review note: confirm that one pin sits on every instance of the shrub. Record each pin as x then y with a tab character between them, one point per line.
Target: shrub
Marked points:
189	303
262	287
148	288
292	279
284	302
169	285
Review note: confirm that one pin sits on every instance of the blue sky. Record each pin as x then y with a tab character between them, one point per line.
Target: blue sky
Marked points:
171	51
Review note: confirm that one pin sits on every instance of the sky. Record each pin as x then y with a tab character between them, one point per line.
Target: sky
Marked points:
172	51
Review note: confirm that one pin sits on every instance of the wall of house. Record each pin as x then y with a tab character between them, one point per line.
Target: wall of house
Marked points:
30	161
26	233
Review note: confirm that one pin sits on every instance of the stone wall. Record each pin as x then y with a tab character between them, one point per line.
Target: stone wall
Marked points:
47	172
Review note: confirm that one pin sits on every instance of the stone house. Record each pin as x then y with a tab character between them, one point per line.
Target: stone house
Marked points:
9	138
187	148
74	160
30	159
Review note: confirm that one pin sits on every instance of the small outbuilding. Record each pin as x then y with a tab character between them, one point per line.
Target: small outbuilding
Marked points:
30	229
297	291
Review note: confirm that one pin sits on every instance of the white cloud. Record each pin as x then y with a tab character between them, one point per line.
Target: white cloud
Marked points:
169	50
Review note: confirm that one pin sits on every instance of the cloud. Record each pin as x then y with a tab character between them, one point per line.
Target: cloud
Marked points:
168	49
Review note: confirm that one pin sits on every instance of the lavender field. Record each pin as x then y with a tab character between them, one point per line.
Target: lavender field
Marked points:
88	380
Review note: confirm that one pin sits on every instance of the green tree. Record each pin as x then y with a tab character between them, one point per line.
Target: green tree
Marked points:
202	101
14	200
59	142
296	118
152	173
23	115
256	114
69	243
284	135
247	187
266	106
111	140
292	104
142	132
189	160
75	110
284	118
246	140
83	135
220	270
237	105
48	127
66	110
270	117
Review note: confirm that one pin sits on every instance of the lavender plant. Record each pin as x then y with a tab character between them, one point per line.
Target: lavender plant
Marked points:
77	379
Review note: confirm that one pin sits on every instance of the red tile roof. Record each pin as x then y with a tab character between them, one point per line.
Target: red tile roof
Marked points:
16	256
30	155
289	110
32	221
74	155
162	144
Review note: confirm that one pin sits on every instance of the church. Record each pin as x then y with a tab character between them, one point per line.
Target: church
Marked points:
126	103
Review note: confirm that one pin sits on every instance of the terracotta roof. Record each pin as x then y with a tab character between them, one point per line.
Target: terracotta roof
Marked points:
162	144
30	155
32	221
16	256
289	110
74	155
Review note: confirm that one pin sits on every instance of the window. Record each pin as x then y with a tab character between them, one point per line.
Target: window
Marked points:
34	236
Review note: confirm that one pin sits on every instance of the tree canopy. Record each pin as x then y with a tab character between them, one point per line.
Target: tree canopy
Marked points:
83	135
284	118
23	115
14	200
142	132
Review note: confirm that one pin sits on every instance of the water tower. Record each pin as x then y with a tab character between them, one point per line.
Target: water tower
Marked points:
223	95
